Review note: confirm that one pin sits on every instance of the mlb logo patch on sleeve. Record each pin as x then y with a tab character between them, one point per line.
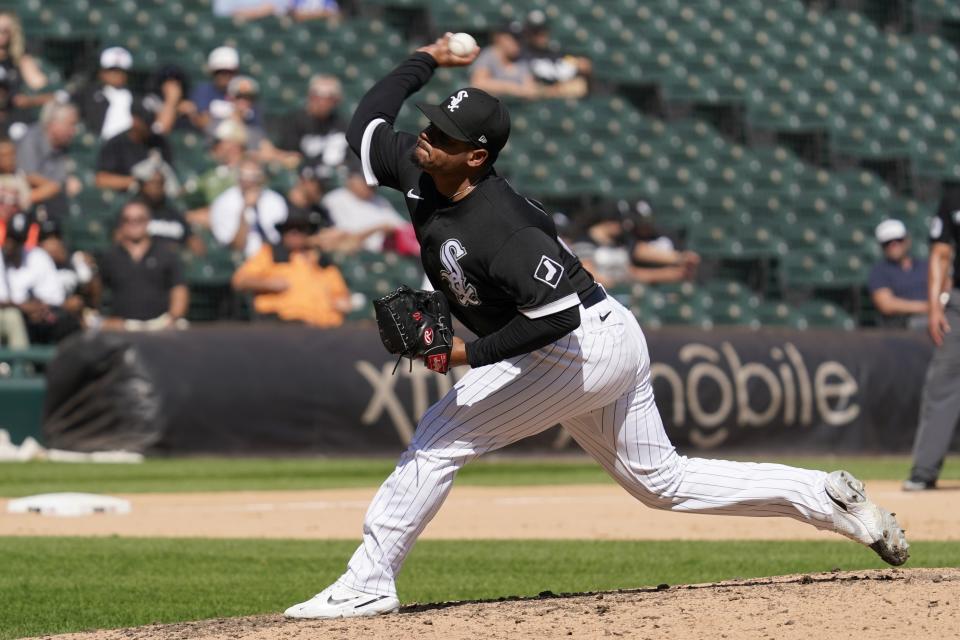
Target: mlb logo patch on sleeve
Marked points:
549	271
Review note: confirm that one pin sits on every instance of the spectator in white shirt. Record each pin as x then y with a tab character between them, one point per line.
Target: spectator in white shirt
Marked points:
358	208
105	106
245	216
30	286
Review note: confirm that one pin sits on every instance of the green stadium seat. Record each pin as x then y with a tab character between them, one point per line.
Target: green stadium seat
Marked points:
826	315
779	314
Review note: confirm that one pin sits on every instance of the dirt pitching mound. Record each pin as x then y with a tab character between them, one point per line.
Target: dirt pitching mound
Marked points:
892	603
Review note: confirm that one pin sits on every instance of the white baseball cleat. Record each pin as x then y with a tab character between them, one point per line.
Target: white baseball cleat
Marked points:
339	601
860	519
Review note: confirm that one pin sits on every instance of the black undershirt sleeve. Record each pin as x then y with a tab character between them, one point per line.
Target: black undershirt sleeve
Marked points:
522	335
385	98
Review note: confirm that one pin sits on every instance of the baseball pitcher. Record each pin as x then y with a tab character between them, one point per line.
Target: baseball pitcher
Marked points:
552	348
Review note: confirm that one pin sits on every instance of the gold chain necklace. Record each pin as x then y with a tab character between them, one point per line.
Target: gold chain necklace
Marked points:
464	190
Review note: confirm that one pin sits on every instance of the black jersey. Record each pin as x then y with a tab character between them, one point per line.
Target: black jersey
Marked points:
945	226
494	253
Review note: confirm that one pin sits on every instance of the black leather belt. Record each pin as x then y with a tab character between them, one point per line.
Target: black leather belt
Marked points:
598	295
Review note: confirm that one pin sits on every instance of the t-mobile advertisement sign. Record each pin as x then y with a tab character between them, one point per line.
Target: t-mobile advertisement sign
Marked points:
255	389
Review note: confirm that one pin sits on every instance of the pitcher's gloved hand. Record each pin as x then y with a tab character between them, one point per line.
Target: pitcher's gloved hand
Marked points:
416	324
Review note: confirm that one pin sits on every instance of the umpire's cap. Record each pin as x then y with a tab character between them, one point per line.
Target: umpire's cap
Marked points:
472	115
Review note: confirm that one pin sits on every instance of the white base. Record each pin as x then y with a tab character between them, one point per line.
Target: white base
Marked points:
69	504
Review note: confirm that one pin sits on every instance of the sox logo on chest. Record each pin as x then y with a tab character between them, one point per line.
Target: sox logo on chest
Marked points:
451	252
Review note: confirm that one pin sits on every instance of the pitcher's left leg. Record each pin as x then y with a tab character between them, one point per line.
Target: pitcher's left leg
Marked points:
629	441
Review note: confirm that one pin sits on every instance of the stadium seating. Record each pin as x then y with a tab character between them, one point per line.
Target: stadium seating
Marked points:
873	96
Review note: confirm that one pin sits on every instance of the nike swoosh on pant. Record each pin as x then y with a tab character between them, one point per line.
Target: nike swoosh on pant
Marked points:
604	316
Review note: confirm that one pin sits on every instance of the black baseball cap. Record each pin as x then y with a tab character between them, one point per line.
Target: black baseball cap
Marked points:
303	219
18	227
472	115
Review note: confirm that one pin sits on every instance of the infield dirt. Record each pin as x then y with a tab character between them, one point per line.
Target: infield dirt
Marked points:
594	512
894	604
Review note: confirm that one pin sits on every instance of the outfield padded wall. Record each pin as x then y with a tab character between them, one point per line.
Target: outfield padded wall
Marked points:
242	389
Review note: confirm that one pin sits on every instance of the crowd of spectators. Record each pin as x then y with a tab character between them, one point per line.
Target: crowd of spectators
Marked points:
281	239
281	235
522	62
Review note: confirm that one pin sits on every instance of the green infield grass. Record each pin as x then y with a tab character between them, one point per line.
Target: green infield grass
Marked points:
246	474
55	585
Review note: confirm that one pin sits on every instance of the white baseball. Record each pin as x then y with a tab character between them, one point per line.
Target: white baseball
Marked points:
461	44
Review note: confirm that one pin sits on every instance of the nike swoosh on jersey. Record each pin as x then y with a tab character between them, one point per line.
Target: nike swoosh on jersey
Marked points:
411	194
604	316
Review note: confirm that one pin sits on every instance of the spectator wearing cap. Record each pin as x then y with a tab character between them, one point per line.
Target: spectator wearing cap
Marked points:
44	151
618	243
317	133
654	257
240	105
305	198
357	208
120	155
20	191
501	69
563	76
75	271
168	223
291	281
105	105
244	217
29	284
144	278
898	282
242	95
210	98
228	151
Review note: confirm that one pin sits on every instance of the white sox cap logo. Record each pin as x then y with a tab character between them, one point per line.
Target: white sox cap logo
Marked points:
548	271
456	100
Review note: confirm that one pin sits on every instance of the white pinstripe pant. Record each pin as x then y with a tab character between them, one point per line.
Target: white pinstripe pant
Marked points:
596	382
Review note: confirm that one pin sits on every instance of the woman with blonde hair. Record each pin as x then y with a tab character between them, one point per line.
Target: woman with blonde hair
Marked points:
18	69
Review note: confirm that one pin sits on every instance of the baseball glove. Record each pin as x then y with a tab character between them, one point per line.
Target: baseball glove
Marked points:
416	324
